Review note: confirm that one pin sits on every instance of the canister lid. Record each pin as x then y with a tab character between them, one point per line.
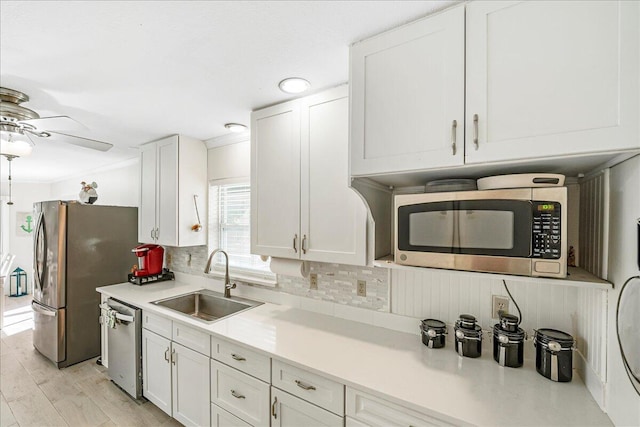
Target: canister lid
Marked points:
466	321
475	332
517	335
509	319
545	335
433	324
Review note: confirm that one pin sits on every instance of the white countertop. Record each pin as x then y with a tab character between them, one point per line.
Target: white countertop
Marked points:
393	365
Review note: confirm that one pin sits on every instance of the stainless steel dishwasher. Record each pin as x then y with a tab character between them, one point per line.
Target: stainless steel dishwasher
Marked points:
124	342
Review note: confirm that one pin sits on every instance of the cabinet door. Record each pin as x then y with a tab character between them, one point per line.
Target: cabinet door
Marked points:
275	181
407	88
156	370
551	78
147	211
333	217
167	205
290	411
190	377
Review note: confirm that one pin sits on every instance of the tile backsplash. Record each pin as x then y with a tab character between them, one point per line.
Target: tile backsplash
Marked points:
336	282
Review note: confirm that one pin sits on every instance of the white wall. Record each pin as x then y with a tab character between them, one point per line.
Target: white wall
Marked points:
19	243
230	161
623	403
118	185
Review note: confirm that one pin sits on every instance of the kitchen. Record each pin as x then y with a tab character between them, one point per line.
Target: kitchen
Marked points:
319	319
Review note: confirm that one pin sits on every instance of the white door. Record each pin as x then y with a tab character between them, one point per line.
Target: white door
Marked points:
168	191
291	411
148	177
548	78
275	181
333	218
407	89
156	370
190	377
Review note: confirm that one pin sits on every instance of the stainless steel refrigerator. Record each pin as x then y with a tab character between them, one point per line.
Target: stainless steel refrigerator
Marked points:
77	248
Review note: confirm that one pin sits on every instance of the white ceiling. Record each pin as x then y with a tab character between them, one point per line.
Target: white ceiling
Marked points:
135	71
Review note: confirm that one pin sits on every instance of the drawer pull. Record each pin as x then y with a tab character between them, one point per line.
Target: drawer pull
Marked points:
236	395
273	408
304	386
238	358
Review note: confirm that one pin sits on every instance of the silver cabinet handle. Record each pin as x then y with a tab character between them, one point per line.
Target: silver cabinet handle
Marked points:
166	355
304	386
454	125
295	239
475	131
173	356
302	246
239	358
273	408
237	395
157	232
152	233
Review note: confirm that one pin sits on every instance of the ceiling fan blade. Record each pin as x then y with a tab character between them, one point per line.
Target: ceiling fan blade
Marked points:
79	141
56	123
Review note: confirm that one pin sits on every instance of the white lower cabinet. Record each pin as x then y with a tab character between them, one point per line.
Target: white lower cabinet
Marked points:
290	411
190	381
366	410
175	379
222	418
240	394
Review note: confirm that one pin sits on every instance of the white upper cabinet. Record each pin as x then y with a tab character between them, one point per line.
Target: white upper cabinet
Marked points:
551	78
275	181
542	80
301	203
172	171
407	97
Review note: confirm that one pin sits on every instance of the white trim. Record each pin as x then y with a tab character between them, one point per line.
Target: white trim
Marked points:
591	380
228	139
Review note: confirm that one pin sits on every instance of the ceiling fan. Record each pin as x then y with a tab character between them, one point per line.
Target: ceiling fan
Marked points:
21	127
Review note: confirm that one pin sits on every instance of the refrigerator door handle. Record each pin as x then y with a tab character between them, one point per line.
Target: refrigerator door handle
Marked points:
39	236
39	310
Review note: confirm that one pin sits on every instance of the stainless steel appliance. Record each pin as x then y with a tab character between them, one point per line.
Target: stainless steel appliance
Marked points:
77	248
124	323
516	231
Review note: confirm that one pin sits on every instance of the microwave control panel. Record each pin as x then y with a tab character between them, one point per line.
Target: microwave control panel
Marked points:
545	241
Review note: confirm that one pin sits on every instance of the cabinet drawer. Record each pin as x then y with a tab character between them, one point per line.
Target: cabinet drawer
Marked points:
158	324
192	338
375	412
222	418
242	395
241	358
318	390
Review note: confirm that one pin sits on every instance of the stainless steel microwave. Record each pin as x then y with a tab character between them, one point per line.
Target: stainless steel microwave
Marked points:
520	231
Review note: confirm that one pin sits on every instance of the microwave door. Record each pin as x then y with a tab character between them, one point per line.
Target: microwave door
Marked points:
428	227
494	227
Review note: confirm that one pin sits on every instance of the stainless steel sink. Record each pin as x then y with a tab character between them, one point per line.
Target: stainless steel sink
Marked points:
206	305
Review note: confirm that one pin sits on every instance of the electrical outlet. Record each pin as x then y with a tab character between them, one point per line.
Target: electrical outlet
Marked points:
362	288
313	281
499	303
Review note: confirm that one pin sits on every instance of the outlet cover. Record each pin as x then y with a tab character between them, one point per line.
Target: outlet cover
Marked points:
499	302
313	281
362	288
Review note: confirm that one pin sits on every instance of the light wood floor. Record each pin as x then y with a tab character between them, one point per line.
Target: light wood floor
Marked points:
33	392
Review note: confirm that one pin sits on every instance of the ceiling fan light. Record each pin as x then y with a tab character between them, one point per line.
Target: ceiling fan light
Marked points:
294	85
15	144
235	127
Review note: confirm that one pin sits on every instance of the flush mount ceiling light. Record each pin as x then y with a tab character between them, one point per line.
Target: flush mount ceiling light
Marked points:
294	85
235	127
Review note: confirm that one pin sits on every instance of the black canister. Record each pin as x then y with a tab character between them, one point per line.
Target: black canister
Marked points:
433	333
554	354
508	346
468	336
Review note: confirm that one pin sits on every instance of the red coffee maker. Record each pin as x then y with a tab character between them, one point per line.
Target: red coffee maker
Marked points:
150	259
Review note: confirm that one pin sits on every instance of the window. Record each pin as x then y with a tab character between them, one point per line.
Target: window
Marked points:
229	229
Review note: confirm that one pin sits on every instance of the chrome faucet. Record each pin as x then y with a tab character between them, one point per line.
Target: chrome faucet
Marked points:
227	282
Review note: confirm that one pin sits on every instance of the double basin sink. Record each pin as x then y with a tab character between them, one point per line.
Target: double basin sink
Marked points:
205	305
